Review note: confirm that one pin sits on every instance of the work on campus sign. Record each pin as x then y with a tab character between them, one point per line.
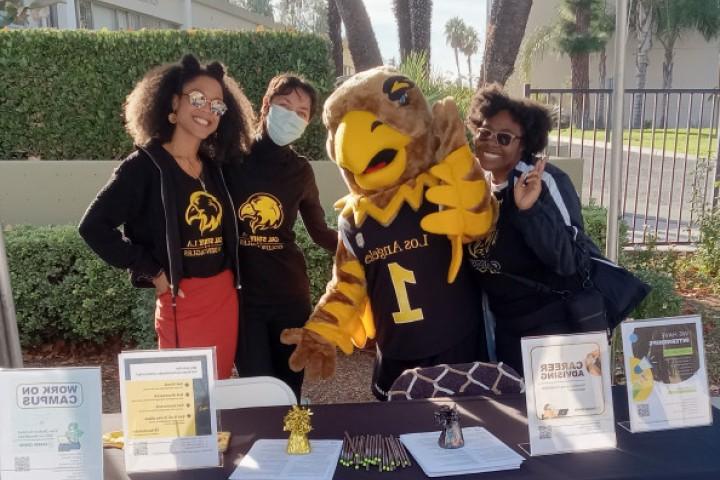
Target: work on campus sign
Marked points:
50	424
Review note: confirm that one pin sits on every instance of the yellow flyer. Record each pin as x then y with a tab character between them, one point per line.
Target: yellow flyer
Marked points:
168	414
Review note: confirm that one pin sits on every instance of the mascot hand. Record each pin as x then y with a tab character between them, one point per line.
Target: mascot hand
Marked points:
463	195
313	353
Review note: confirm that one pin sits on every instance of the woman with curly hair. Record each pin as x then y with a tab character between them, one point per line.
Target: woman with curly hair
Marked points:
539	238
271	187
179	233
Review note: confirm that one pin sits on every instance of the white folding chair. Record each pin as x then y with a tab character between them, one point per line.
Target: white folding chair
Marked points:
252	392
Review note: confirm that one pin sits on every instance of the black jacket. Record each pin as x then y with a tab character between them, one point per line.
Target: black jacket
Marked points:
545	244
139	197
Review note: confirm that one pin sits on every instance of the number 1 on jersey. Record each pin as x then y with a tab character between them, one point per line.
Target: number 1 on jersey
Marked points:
400	276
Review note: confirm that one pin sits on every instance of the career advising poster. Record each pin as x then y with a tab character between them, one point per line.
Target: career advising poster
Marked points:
169	418
667	381
569	401
50	424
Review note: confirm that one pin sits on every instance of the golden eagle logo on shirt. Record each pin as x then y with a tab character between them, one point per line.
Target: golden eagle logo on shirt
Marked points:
262	210
205	209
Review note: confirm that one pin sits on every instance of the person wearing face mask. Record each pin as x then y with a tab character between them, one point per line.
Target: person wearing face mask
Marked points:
271	186
179	233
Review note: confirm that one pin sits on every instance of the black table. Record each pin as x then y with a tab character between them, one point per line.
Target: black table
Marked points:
692	453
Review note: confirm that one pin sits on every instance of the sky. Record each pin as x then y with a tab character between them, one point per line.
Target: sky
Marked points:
442	56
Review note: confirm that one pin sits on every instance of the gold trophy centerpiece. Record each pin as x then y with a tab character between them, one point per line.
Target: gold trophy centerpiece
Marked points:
297	422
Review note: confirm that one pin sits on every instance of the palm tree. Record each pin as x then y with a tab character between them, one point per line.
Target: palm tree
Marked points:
583	27
360	35
455	36
335	34
579	36
504	34
672	19
402	14
641	20
420	23
470	46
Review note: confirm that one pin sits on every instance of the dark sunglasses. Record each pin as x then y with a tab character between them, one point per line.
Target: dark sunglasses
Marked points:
502	138
198	100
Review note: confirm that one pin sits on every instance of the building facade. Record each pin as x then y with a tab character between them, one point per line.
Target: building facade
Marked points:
150	14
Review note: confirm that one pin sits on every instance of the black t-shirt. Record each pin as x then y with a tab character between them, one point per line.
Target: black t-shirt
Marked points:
506	250
417	313
269	188
200	213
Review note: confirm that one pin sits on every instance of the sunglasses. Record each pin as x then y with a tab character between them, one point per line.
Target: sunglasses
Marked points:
198	100
502	138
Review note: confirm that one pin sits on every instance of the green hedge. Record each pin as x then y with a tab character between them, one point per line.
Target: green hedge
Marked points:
62	290
62	91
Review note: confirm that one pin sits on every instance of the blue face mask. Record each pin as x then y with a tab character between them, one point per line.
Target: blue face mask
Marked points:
284	126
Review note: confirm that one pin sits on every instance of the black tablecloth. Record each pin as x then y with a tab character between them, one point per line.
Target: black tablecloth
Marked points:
692	453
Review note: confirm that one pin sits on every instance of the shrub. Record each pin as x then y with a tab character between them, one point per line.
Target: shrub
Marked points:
319	262
63	90
662	301
707	258
63	291
595	218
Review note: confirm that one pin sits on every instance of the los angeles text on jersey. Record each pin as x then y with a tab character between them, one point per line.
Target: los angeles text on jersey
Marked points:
398	246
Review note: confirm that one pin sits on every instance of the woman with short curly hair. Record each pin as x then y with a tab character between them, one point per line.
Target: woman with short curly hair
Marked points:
539	238
179	232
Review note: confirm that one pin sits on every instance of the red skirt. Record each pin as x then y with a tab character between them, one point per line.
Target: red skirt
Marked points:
207	316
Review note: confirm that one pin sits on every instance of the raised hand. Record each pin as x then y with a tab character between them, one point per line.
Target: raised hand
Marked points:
529	185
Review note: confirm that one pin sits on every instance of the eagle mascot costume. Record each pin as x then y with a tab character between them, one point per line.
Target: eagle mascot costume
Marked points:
416	195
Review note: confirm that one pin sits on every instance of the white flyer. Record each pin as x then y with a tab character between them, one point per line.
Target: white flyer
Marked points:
667	381
169	419
269	460
50	424
569	399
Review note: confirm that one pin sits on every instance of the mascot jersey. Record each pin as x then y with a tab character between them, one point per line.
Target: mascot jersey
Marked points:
417	313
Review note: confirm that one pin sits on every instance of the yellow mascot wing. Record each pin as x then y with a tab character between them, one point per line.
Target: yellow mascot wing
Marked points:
340	315
466	209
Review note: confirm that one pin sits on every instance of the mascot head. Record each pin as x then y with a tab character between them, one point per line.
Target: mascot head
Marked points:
379	130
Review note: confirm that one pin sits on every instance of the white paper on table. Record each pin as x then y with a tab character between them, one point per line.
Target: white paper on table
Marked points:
269	460
667	383
50	424
483	452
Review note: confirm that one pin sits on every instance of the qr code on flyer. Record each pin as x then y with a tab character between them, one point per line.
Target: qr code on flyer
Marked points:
22	464
140	449
643	410
545	432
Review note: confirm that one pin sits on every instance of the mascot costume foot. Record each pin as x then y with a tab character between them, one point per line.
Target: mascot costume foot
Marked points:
416	195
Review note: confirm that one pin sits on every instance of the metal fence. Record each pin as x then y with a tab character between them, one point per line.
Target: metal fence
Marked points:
670	154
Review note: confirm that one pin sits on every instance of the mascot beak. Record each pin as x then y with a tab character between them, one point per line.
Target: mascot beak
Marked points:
371	150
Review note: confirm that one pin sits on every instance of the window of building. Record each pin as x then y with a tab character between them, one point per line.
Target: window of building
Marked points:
94	16
85	19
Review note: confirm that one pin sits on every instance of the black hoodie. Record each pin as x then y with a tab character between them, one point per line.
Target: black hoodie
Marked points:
140	197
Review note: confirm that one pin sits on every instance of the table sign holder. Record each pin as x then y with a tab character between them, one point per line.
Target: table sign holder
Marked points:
50	424
168	412
569	397
666	374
